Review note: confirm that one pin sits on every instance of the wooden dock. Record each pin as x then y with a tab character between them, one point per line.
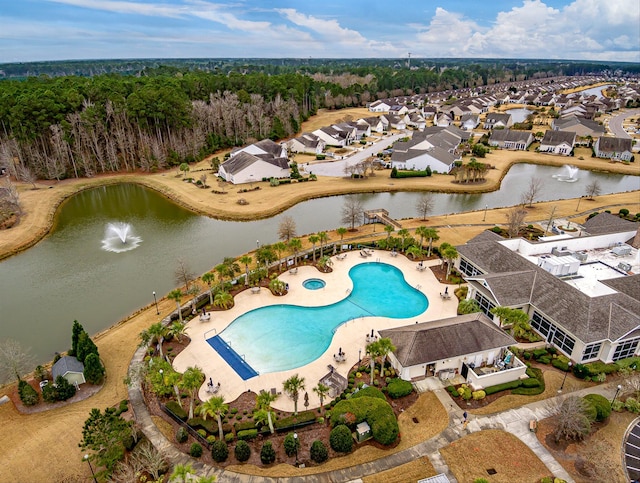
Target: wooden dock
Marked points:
380	216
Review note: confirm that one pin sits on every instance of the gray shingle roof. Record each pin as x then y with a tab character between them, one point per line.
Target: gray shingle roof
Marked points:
509	135
510	288
614	145
554	138
66	364
443	339
605	222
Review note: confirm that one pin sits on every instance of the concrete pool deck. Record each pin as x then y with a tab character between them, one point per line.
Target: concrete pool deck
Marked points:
350	336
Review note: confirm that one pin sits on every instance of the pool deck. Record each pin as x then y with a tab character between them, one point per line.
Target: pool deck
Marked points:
349	336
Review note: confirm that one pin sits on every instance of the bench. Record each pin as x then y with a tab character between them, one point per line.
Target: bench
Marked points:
533	425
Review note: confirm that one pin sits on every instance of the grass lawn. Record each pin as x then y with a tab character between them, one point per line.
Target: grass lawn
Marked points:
470	458
414	471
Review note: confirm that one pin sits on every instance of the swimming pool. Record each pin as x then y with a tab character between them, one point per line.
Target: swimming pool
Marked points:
314	284
282	337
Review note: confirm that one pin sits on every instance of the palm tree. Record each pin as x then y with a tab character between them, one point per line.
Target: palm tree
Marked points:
516	318
450	254
384	347
223	299
421	231
191	381
323	237
246	260
177	329
313	239
279	247
324	263
177	296
292	387
404	233
432	235
322	390
389	229
295	245
214	406
414	252
263	402
158	331
373	349
341	231
173	378
181	473
208	278
266	255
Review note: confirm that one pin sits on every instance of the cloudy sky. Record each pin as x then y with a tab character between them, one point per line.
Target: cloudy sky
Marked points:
34	30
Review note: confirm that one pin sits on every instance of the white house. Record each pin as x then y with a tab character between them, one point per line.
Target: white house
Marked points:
613	148
336	136
263	147
379	106
468	122
374	123
306	143
508	139
469	345
498	120
558	142
248	168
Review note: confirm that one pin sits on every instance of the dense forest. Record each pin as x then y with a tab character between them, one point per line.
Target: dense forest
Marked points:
82	118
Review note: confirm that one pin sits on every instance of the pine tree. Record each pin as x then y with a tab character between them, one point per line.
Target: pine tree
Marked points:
93	369
75	335
85	347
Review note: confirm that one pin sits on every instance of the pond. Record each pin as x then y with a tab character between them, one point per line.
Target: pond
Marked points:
518	115
69	275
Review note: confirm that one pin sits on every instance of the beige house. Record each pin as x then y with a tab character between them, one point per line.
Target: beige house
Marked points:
70	368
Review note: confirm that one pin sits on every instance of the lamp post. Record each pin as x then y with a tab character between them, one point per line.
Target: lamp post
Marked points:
156	302
565	378
86	458
485	212
579	200
295	440
616	394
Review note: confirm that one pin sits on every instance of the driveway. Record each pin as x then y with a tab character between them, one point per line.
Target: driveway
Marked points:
615	123
336	168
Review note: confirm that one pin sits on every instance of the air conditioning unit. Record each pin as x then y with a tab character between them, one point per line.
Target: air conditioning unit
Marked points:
625	267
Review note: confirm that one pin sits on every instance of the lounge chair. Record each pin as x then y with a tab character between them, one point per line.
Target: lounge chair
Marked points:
293	271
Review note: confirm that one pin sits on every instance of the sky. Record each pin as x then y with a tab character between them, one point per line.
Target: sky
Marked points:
37	30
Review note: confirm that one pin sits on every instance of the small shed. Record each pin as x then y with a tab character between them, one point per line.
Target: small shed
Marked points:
363	431
70	368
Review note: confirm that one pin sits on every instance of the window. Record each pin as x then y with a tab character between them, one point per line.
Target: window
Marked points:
541	324
591	351
563	341
625	349
485	304
468	269
552	333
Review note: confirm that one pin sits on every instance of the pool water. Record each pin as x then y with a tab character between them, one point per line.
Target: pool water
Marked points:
282	337
314	284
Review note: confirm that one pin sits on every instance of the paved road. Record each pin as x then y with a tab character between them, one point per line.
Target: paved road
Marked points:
615	123
336	168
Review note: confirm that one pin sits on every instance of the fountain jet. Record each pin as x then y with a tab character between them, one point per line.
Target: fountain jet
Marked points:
568	174
118	238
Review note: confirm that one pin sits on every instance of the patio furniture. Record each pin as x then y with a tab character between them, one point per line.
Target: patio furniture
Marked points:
342	256
205	317
293	271
394	253
255	289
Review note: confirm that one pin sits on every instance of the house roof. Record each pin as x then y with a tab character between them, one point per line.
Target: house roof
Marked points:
65	365
243	160
614	145
564	124
270	147
509	288
555	138
498	117
443	339
509	135
605	222
589	318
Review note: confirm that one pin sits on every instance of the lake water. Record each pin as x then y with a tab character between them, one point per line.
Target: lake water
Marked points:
69	276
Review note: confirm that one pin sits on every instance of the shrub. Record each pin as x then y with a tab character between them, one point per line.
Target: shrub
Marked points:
196	450
502	387
617	405
537	353
242	451
229	437
632	362
600	377
378	413
399	388
28	395
530	383
210	439
247	434
477	395
182	435
340	439
175	408
561	364
291	444
267	453
544	360
453	391
40	373
601	404
219	451
202	433
598	367
466	395
319	452
580	371
480	480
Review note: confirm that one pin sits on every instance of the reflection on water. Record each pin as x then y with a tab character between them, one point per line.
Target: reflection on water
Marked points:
68	276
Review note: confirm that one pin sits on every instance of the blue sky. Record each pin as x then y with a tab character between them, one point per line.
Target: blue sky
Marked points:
35	30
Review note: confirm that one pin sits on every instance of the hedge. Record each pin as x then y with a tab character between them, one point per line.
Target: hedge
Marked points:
502	387
247	434
209	425
410	174
595	368
537	353
561	364
601	404
175	408
242	426
370	392
399	388
376	412
530	383
302	419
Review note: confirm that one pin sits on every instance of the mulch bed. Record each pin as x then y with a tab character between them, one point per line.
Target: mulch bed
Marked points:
86	390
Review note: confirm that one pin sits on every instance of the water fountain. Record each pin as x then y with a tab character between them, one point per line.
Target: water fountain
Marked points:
118	238
568	174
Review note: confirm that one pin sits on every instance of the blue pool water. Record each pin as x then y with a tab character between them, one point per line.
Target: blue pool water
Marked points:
283	337
313	284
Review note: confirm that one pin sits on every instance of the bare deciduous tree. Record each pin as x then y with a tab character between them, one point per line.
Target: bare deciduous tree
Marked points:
203	180
424	204
147	458
593	190
9	198
351	211
532	192
26	175
515	219
183	273
572	421
287	229
15	361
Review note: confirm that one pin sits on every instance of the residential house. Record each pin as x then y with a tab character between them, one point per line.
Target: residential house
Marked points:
398	110
615	148
580	293
70	368
248	168
394	122
442	119
468	122
416	121
374	123
582	127
498	120
435	148
558	142
379	106
509	139
265	147
470	345
306	143
336	136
